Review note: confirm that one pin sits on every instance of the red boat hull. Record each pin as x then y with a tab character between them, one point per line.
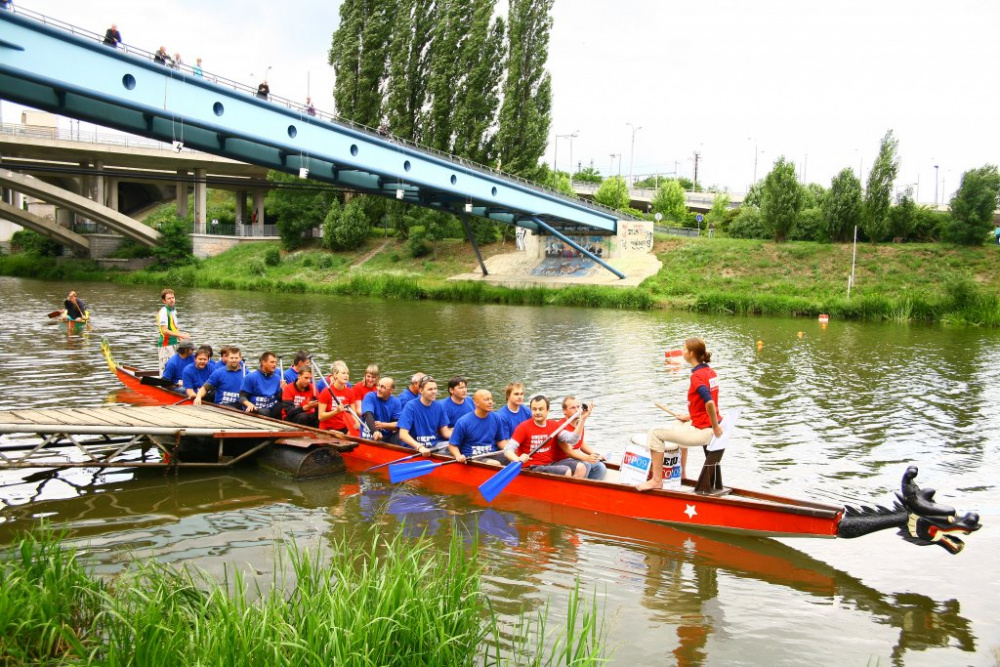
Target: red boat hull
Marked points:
744	512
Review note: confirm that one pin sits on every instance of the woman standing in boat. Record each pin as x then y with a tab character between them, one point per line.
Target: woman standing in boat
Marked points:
696	428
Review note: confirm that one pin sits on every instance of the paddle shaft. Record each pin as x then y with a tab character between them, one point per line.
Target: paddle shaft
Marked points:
537	448
673	414
405	458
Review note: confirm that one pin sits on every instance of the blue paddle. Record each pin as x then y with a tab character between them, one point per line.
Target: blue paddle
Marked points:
405	458
492	487
401	472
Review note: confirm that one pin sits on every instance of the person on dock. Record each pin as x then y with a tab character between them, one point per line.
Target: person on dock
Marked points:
225	381
174	369
299	361
299	400
423	421
335	400
380	413
260	391
696	428
577	453
480	432
170	333
412	391
457	404
538	431
197	374
112	37
76	311
366	386
514	411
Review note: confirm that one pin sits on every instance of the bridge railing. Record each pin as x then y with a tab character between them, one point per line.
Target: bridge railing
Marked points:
304	111
61	134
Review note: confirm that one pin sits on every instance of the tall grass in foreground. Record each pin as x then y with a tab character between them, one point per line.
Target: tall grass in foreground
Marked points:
395	602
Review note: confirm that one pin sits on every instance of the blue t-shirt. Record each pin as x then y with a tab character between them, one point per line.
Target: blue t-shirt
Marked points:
291	375
227	385
457	410
194	378
382	411
263	391
422	421
475	435
406	396
511	419
173	370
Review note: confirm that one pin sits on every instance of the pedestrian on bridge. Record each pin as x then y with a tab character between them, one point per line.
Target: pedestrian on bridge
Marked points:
263	90
112	37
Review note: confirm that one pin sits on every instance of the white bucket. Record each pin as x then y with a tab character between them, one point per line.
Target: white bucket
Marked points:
636	462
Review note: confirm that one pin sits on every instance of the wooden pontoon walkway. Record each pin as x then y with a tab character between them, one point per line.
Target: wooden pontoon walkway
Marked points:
111	436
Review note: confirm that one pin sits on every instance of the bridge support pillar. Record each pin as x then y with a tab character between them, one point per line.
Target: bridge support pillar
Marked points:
258	207
112	197
97	185
241	210
181	193
200	199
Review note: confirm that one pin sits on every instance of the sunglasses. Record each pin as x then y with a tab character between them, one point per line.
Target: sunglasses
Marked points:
427	378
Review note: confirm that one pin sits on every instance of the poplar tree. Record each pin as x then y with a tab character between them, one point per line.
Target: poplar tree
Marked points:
359	56
842	206
446	46
973	206
878	196
527	93
781	200
478	99
406	90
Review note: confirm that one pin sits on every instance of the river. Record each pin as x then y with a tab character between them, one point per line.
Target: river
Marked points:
830	413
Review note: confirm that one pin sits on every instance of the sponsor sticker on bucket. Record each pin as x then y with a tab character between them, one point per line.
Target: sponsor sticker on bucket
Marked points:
635	468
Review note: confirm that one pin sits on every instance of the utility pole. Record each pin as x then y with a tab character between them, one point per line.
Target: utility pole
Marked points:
935	186
697	158
631	154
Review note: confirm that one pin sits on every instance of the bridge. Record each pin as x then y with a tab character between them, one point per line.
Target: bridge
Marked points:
60	68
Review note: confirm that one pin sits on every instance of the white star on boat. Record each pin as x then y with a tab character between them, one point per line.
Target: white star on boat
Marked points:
690	511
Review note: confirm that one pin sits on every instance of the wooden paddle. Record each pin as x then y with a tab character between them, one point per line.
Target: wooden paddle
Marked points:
673	414
404	471
54	314
492	487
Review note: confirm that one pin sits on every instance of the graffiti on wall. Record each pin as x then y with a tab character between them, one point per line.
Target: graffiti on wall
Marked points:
520	238
563	266
593	244
636	236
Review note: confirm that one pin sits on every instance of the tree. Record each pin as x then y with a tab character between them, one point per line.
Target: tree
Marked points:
563	184
406	89
298	209
588	175
613	193
359	53
781	200
842	206
478	99
527	95
878	196
348	228
669	201
449	34
720	207
973	206
902	217
175	247
330	224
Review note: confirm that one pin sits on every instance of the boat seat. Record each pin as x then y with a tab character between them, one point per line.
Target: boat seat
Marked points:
710	479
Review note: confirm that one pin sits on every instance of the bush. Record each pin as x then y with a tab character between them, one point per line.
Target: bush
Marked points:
349	230
325	261
417	244
748	224
256	266
272	256
809	227
175	244
33	243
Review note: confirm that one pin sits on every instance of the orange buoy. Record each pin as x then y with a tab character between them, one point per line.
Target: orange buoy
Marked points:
760	345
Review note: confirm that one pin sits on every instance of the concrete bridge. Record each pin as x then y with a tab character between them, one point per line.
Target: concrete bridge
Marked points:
641	198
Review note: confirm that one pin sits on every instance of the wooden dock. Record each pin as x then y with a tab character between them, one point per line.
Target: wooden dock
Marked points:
147	436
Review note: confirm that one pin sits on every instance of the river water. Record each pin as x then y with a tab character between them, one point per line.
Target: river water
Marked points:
831	413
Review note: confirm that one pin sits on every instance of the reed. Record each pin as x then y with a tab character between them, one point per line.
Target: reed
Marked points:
395	601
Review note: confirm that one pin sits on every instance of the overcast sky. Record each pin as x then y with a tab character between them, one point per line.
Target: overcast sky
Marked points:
818	81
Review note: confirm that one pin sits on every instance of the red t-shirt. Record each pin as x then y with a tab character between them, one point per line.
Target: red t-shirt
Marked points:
360	391
702	376
529	435
291	393
572	429
343	419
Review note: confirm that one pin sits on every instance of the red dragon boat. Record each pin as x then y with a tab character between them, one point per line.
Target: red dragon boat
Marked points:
701	504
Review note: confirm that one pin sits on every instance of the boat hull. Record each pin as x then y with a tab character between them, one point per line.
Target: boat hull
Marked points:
742	512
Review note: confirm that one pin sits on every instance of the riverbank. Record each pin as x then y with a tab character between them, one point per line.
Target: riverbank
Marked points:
401	603
893	282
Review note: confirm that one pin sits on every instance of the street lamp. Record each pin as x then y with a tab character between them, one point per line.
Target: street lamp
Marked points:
632	151
555	156
756	153
935	186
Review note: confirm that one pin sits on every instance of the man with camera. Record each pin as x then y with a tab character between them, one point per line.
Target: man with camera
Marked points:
581	457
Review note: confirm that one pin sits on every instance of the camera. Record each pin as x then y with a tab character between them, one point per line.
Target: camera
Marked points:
584	407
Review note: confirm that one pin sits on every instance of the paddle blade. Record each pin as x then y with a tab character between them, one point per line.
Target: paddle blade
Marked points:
400	472
55	313
492	487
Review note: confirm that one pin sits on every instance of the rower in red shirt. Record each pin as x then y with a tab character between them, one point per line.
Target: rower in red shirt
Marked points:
534	432
299	401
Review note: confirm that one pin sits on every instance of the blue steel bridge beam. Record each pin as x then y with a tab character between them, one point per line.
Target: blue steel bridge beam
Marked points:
49	68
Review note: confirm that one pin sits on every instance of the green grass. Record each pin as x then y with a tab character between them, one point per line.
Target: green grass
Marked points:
393	602
893	282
